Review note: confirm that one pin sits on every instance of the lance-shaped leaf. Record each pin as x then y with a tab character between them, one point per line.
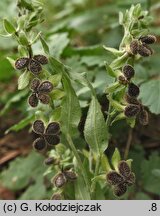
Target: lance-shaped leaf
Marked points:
23	80
9	28
115	159
95	130
71	111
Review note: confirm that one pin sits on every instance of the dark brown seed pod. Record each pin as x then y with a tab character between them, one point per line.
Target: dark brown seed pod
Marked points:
128	71
143	117
38	127
133	90
21	63
134	47
70	175
49	161
52	139
53	128
148	39
39	144
124	168
33	100
131	100
114	178
122	80
149	48
45	87
44	98
120	190
34	67
41	59
131	110
130	179
144	51
56	196
60	180
34	84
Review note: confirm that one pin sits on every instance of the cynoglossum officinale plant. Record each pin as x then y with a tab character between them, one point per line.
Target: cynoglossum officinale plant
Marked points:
55	116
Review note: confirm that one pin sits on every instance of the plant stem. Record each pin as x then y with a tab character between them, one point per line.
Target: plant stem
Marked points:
128	144
85	177
108	116
93	185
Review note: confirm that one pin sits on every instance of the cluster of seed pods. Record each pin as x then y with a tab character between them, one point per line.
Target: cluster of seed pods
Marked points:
40	93
134	107
121	179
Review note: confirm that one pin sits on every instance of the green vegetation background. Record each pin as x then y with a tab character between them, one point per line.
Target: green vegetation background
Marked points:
76	31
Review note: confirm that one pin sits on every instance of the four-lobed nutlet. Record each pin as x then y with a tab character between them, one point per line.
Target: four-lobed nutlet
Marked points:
32	64
49	136
121	178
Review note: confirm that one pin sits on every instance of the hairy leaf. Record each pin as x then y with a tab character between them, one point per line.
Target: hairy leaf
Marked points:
22	124
23	80
95	128
71	111
115	159
150	95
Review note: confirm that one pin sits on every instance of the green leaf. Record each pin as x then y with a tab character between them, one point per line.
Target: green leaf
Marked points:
80	189
16	98
11	61
58	44
20	171
22	124
121	18
9	28
57	66
57	94
95	130
23	39
25	4
23	80
55	79
71	111
56	114
94	60
115	159
5	66
105	163
150	95
114	51
150	180
44	45
109	70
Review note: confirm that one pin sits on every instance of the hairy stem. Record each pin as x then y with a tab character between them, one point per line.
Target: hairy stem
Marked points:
83	172
128	144
93	185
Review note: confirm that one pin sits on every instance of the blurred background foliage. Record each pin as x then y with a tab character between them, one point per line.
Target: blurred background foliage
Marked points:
76	30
